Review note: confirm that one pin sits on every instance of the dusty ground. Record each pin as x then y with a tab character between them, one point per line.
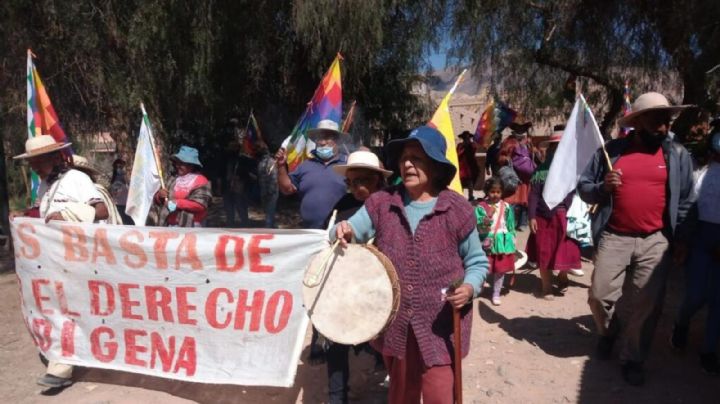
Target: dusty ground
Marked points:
525	351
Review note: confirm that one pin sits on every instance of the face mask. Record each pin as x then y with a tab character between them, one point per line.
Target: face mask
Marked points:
324	153
652	140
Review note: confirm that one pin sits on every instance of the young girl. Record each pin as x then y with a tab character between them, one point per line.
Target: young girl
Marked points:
548	244
496	225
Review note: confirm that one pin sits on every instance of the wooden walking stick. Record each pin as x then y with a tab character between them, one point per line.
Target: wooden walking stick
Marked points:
457	347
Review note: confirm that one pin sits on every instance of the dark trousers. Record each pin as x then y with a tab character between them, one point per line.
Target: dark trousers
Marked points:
236	203
521	216
338	371
127	220
702	284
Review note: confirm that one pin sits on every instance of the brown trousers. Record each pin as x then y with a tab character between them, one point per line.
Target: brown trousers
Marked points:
410	379
628	286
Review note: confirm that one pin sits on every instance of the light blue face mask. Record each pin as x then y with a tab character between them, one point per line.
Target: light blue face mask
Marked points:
324	153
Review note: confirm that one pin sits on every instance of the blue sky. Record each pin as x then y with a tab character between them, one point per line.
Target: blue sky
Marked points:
437	60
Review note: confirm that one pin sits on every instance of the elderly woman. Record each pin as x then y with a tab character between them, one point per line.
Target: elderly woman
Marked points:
185	202
429	234
364	176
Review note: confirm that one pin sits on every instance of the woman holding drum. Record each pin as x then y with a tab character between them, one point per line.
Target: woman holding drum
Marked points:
429	234
363	176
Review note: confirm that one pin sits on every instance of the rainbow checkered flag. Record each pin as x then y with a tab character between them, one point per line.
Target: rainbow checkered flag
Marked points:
326	103
252	135
41	116
496	117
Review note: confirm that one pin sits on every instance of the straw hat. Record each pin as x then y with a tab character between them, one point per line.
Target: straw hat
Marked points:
84	165
325	126
649	102
362	159
39	145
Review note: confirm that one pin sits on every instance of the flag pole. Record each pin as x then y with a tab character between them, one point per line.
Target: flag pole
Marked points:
602	141
27	184
154	149
349	118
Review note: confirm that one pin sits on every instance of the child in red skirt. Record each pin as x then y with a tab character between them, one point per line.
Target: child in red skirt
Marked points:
548	244
496	225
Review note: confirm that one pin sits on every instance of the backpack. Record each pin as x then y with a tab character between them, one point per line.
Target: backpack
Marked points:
509	178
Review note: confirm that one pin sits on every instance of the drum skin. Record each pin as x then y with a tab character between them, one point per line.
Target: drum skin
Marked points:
357	296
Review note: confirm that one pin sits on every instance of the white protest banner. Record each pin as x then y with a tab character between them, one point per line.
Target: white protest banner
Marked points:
202	305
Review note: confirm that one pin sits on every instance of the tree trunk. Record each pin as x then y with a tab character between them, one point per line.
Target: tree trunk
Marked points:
615	97
694	86
4	200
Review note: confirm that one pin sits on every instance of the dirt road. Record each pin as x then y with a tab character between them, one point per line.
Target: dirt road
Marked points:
524	351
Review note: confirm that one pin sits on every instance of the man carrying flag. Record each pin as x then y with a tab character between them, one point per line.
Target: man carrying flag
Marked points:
642	188
319	187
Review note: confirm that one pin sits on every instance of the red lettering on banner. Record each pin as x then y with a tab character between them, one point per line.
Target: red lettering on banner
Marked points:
157	348
158	298
95	300
160	247
111	347
126	303
132	348
211	308
41	332
184	308
188	246
254	251
271	311
39	297
187	358
255	309
67	338
62	300
74	240
133	249
28	241
221	259
101	248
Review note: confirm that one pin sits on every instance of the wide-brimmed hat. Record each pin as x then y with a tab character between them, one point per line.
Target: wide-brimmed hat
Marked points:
520	128
187	155
362	159
649	102
325	126
432	142
39	145
83	164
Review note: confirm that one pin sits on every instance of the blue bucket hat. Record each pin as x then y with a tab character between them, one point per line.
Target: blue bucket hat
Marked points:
187	155
433	144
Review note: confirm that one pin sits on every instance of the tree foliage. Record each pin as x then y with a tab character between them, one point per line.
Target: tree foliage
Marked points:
196	64
533	47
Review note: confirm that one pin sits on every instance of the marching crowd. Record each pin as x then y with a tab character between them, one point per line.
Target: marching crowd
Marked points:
653	199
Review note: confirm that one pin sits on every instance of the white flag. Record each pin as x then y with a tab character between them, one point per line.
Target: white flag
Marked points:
579	142
145	177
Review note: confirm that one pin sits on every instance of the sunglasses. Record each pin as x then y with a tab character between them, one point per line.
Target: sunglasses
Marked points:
358	182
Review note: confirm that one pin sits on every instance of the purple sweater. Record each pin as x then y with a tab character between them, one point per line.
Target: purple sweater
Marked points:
523	163
426	262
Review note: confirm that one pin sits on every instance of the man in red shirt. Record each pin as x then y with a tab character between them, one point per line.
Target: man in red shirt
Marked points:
641	201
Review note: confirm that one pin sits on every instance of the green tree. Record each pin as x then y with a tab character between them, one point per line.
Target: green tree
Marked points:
526	44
